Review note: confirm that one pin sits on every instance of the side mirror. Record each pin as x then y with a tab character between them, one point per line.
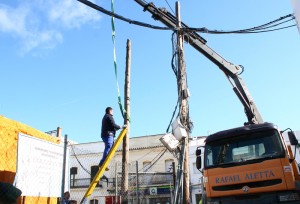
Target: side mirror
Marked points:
198	158
198	152
198	162
292	138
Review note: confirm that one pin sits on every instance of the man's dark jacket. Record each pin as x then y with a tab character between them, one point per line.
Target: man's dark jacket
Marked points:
109	126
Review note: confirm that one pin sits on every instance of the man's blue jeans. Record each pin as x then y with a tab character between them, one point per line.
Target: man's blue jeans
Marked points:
108	142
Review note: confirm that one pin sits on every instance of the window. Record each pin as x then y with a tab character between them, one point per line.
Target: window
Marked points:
246	152
169	165
73	172
94	201
94	170
240	149
198	197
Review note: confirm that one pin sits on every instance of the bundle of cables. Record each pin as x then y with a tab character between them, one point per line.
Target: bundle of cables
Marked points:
278	24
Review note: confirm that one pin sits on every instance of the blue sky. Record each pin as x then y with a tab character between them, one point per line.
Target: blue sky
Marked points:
56	66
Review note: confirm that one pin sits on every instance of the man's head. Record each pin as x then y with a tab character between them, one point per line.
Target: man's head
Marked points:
109	110
8	193
67	195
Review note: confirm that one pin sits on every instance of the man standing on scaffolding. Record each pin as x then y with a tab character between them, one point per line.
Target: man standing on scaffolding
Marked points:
108	131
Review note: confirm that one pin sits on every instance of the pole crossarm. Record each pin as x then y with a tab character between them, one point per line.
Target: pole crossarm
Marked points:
101	170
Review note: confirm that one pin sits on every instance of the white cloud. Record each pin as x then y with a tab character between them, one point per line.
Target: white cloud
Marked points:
72	13
13	20
43	39
39	24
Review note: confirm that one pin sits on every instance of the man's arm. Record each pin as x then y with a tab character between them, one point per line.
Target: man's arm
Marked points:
112	122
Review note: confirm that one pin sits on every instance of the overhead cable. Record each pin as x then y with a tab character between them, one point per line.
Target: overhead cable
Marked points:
78	160
170	6
256	29
99	8
154	162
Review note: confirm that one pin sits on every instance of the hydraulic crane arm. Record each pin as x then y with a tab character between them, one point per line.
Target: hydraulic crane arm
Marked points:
230	70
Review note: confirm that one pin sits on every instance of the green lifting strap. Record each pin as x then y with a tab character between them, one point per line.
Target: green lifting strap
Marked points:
123	111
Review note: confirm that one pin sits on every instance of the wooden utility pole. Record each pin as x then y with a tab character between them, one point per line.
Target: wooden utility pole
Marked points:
183	105
125	155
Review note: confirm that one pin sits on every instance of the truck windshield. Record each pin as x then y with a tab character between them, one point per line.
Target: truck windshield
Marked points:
238	150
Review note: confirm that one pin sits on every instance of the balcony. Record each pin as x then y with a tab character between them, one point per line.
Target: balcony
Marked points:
145	179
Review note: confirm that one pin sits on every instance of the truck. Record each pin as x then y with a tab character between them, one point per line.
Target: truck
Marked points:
247	164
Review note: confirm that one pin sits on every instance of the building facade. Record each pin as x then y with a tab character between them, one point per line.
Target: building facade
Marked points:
195	174
148	159
151	175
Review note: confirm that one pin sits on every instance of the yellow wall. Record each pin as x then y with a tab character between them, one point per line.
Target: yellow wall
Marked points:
9	130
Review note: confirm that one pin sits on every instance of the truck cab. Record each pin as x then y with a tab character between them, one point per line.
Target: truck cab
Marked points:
249	164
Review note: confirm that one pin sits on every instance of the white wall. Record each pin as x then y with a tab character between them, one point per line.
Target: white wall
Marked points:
142	149
195	175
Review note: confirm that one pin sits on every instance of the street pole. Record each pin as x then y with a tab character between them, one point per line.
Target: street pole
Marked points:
174	174
64	169
116	183
177	195
183	96
125	155
137	183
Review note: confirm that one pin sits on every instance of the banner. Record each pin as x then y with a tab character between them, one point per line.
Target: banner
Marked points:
296	7
39	167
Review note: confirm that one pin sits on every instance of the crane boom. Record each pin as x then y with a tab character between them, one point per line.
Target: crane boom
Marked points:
230	70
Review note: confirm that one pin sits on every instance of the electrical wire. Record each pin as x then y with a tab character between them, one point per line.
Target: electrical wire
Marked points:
237	32
292	18
170	6
175	70
174	55
79	161
152	163
264	31
154	160
177	54
257	29
172	116
115	15
140	158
